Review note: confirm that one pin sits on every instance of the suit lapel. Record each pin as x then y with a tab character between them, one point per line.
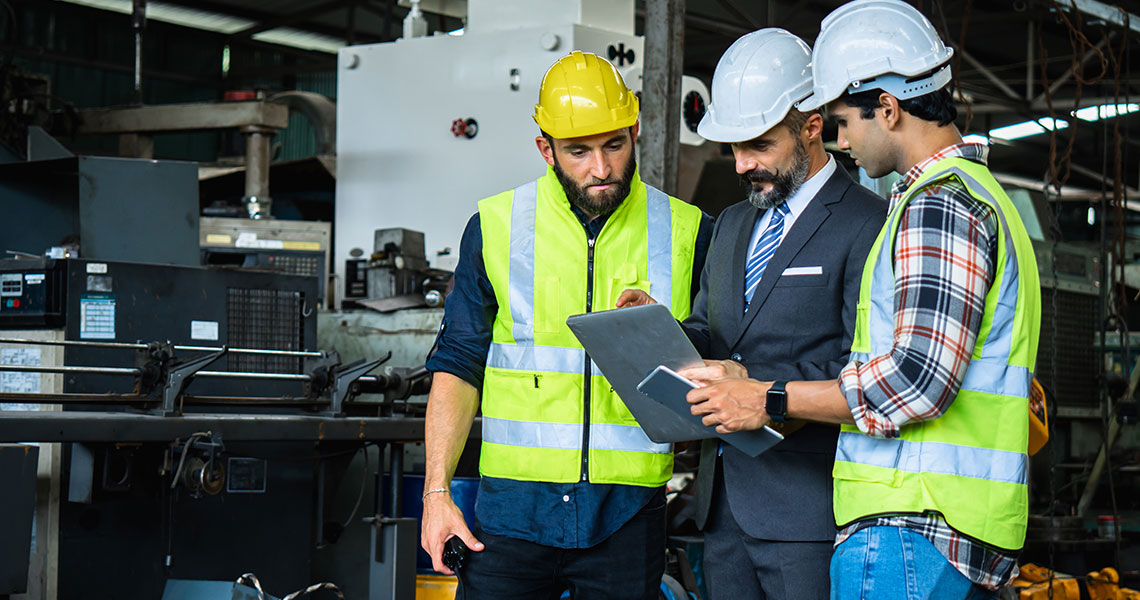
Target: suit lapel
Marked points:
816	212
739	257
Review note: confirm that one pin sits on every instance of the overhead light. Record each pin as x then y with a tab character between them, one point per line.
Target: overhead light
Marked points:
220	23
306	40
1028	128
177	15
976	138
1104	111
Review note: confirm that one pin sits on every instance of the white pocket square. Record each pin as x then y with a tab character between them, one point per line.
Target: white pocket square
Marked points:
803	271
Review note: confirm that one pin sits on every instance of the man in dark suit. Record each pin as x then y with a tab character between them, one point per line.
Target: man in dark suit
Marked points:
777	300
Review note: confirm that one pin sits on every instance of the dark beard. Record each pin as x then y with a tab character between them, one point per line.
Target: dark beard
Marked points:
607	202
783	184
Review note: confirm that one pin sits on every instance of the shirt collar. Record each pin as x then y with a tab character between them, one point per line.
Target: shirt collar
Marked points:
978	153
808	190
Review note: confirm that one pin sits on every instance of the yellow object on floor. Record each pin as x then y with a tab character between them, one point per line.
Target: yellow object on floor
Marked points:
435	587
1033	584
1105	585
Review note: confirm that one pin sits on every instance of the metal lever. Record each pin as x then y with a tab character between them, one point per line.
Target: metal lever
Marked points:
178	377
344	377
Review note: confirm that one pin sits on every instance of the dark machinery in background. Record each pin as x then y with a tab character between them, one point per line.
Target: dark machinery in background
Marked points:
202	429
396	275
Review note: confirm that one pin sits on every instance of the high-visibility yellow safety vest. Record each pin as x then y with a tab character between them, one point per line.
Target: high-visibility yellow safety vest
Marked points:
537	424
970	464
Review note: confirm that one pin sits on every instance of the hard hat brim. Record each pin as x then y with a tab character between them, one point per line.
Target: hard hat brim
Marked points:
712	131
731	135
815	101
565	133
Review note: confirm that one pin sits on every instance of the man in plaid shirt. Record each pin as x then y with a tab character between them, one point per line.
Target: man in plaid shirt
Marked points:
931	470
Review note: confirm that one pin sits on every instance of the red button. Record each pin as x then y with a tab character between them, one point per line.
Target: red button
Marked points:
16	304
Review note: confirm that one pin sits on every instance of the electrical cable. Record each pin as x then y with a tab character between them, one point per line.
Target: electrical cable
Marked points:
363	485
1079	42
186	450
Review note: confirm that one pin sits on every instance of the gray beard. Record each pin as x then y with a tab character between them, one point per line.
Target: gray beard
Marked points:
783	184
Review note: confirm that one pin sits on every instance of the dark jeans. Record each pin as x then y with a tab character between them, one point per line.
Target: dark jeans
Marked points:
628	565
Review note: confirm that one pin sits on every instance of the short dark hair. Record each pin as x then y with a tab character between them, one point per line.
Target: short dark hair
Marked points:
795	120
936	106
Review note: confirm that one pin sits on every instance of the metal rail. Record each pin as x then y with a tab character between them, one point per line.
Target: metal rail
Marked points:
84	426
372	379
129	399
129	346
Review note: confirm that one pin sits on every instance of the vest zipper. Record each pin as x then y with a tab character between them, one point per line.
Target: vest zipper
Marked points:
588	374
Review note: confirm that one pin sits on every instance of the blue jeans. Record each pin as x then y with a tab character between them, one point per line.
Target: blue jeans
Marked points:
896	563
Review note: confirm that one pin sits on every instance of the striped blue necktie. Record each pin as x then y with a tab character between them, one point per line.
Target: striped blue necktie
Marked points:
765	248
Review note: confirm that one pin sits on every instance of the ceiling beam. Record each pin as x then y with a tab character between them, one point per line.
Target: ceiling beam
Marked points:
1112	14
226	8
292	18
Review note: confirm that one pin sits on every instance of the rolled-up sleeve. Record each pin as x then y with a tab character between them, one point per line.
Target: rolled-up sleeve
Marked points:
945	250
465	334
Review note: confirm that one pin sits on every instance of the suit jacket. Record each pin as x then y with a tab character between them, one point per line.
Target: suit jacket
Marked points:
798	327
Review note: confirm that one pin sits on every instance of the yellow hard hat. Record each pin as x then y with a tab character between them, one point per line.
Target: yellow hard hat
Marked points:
582	95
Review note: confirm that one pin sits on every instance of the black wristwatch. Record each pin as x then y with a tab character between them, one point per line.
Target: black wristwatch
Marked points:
777	405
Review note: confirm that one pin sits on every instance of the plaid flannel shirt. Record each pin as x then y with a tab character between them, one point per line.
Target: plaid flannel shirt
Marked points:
944	263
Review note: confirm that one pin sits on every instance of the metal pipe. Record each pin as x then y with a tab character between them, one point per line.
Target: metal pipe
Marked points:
208	374
1030	54
250	375
989	75
87	370
257	201
128	346
138	23
135	399
396	487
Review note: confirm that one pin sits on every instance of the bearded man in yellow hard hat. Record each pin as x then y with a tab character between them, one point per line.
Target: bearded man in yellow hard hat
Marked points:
572	491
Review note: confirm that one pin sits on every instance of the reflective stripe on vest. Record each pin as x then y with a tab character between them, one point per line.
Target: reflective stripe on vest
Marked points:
551	359
659	224
962	465
933	457
568	436
523	211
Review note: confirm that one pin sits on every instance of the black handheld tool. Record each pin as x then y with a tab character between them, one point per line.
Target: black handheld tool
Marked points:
454	550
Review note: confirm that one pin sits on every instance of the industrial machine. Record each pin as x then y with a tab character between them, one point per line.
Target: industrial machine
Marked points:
193	431
294	247
427	126
109	208
396	275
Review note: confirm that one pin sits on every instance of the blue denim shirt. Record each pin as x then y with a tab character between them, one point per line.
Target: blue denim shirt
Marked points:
564	515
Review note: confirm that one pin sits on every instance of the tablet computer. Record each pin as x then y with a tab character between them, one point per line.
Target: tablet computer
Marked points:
626	345
667	387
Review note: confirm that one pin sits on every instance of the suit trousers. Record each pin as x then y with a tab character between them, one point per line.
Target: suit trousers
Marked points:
628	565
739	566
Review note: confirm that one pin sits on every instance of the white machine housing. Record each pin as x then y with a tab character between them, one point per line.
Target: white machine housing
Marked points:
399	164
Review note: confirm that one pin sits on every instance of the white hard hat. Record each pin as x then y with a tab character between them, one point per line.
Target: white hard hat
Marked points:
757	81
876	44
